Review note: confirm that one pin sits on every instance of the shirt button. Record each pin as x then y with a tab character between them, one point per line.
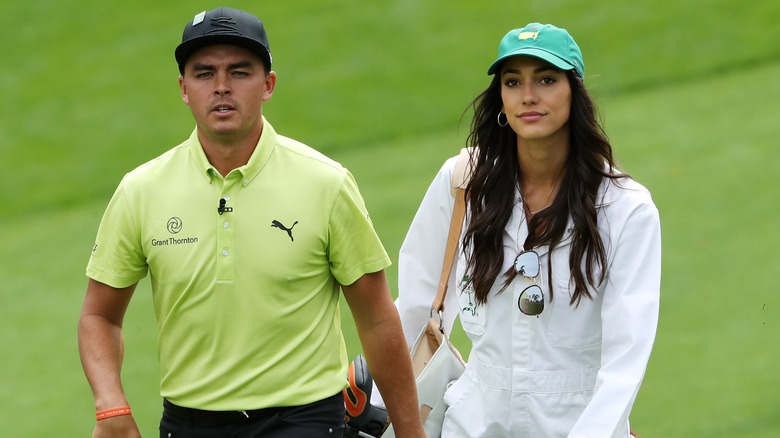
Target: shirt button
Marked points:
225	225
227	197
246	181
225	252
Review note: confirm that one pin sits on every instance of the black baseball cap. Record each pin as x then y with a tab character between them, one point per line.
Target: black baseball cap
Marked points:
224	26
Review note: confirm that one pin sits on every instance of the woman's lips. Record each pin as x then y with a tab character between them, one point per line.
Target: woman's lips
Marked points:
531	116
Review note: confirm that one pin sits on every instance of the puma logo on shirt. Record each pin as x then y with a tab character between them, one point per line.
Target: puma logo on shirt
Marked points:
279	225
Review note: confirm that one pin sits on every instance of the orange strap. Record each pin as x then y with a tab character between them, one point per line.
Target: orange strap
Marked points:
456	225
108	413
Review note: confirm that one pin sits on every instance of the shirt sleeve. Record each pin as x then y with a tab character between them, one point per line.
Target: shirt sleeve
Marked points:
117	257
629	318
354	248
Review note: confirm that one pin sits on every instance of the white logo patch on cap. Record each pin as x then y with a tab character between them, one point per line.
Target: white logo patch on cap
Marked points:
199	18
528	35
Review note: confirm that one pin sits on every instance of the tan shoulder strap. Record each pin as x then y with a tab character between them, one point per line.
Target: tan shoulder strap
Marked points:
460	178
462	172
456	224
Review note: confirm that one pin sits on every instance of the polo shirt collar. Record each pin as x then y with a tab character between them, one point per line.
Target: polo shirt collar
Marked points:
251	169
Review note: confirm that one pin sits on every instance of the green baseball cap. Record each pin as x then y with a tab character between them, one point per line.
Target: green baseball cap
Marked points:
545	42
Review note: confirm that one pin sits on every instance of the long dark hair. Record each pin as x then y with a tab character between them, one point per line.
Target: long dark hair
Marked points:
491	194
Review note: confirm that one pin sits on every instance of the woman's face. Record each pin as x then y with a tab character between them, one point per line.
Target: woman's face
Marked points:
536	98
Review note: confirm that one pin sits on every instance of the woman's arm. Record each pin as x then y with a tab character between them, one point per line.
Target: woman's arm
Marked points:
629	314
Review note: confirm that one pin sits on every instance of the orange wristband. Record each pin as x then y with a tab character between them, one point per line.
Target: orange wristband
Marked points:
108	413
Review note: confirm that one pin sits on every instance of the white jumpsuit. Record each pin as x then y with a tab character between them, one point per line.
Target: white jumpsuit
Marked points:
574	371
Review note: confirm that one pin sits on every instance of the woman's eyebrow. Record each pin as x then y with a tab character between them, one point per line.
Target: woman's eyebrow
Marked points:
541	69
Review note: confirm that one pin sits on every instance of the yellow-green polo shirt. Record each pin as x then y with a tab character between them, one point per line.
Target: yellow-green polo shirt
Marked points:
247	300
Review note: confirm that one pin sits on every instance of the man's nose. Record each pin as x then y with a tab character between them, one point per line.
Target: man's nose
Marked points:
222	85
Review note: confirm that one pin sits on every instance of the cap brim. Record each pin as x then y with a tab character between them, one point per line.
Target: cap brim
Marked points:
537	53
187	48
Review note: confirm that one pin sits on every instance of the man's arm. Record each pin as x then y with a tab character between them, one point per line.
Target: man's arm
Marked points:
385	350
101	347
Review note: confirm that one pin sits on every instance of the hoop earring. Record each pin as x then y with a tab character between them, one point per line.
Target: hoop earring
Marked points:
498	119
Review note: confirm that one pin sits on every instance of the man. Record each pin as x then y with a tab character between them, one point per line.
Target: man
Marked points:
247	236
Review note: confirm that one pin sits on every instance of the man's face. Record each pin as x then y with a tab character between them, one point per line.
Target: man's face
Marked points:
225	87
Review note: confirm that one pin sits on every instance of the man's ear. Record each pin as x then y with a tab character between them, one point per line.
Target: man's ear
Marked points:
270	85
183	89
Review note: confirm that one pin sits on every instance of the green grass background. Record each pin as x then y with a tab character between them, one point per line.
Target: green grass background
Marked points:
689	93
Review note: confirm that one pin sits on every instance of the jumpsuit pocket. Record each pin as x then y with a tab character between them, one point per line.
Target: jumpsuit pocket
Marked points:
572	325
464	408
472	316
555	414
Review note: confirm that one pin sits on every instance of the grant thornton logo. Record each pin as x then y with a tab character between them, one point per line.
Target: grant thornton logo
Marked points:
174	225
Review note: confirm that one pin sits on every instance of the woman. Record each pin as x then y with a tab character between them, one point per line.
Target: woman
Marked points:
558	274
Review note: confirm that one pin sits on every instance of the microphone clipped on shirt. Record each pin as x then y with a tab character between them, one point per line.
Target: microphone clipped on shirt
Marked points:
222	209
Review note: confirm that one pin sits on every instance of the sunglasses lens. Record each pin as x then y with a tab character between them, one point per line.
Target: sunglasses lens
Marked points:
527	264
531	301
